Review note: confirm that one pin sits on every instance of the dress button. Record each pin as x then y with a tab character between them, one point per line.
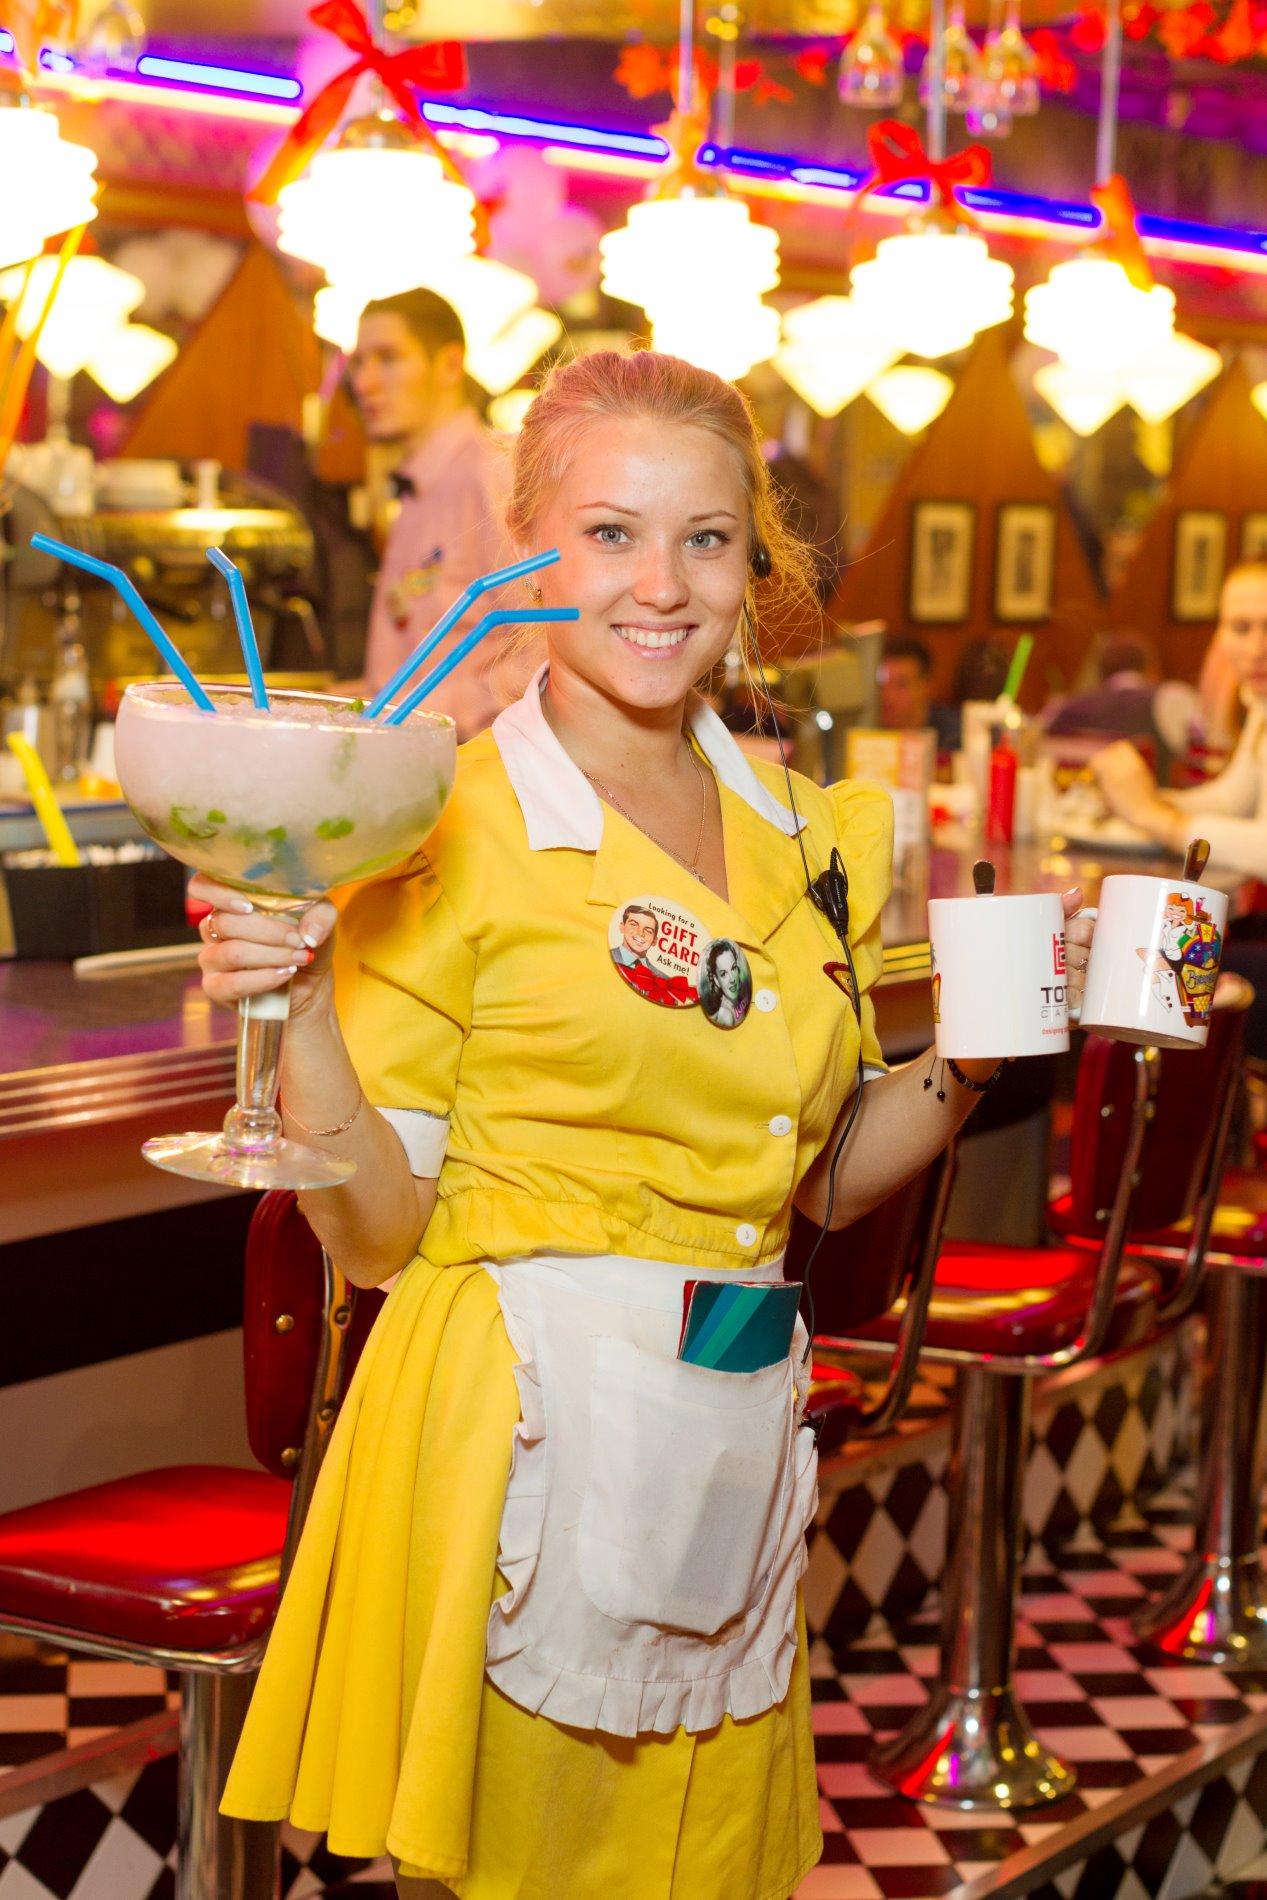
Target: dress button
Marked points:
766	1000
746	1234
781	1125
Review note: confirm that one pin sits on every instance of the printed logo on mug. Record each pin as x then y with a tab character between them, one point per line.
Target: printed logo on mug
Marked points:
999	975
1154	961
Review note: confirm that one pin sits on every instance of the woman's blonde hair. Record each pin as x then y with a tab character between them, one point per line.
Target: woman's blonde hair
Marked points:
590	389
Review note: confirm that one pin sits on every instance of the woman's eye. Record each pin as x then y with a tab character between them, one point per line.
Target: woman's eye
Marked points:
610	534
708	538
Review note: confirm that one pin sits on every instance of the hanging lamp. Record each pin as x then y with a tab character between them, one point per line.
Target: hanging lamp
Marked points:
911	396
828	355
934	286
690	255
1110	326
57	188
93	300
506	331
385	197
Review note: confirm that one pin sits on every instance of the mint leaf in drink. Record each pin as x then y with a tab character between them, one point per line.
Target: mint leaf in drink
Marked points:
358	704
216	818
187	829
335	827
277	835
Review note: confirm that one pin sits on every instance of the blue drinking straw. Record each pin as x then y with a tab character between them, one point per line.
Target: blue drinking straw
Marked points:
449	620
246	630
502	618
104	571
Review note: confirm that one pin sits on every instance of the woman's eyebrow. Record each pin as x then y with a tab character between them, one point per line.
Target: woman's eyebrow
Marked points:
615	508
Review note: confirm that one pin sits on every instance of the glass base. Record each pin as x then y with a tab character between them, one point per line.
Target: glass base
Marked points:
204	1157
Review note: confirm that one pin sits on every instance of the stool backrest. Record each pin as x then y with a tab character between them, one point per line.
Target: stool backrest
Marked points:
297	1311
1192	1092
861	1269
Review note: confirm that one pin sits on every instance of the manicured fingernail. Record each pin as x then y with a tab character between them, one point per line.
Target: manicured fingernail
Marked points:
291	969
243	906
311	942
294	939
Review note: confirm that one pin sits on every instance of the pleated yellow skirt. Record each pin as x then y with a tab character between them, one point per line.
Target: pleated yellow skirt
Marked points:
373	1721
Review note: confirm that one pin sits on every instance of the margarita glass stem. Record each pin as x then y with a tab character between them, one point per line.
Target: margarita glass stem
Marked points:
253	1125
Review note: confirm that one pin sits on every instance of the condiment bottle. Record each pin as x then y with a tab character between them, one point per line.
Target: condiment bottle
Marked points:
1001	799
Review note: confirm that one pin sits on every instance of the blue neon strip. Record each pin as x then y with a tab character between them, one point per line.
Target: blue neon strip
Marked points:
6	40
475	119
188	72
1179	231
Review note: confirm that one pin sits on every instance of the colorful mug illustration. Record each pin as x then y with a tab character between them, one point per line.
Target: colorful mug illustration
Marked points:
1185	964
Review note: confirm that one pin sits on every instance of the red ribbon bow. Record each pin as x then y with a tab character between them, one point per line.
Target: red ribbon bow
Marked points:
897	152
439	67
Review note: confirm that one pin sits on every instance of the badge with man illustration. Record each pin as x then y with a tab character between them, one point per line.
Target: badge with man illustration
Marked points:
664	953
1185	963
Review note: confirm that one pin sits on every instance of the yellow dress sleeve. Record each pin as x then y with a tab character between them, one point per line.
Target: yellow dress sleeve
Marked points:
864	837
404	981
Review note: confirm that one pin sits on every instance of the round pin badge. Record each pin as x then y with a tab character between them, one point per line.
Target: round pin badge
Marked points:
657	947
724	982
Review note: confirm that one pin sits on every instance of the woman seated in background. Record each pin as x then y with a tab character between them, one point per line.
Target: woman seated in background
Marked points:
1232	808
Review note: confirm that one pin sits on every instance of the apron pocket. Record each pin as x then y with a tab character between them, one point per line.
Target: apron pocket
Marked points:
683	1504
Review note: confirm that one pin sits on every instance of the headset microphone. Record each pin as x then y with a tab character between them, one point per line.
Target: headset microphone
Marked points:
830	892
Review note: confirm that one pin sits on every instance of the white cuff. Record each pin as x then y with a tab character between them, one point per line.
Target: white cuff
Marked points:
423	1136
872	1073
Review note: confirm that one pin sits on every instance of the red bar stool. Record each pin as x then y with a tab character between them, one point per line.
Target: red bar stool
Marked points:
1002	1316
182	1567
891	1258
1215	1610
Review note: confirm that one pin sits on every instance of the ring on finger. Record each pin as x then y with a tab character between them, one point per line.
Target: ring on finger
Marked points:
210	923
1078	966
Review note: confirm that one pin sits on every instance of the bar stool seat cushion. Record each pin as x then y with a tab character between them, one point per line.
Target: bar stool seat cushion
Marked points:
186	1557
998	1299
1240	1221
837	1395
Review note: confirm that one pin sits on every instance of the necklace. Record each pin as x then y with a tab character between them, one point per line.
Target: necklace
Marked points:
693	866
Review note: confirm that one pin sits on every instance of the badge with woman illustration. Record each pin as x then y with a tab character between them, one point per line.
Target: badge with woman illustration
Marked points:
657	947
725	983
1185	962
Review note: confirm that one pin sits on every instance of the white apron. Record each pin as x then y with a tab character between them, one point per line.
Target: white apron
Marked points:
653	1535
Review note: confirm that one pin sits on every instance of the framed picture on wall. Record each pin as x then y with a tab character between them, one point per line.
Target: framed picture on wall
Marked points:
1254	538
1199	560
1024	561
943	535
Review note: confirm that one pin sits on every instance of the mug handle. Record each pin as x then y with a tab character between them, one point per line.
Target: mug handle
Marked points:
1092	911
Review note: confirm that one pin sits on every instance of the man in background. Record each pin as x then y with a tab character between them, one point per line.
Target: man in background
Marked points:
408	377
906	700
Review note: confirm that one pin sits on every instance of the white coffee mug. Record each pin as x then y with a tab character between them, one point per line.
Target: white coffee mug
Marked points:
1154	961
999	975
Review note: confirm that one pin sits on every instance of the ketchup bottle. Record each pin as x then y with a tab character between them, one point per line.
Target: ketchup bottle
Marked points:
1001	798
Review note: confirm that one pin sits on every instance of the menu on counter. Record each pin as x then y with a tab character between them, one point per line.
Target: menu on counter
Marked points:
903	763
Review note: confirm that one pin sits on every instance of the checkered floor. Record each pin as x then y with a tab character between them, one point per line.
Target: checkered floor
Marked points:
1116	1709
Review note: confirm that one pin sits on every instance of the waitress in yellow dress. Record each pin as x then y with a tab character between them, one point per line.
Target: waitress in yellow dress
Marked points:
542	1640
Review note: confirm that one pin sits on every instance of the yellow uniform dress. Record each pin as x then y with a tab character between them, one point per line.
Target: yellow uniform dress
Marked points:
476	983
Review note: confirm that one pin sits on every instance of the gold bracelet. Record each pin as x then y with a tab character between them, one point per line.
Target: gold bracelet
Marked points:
324	1134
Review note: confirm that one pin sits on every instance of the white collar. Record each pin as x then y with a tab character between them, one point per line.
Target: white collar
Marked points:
561	809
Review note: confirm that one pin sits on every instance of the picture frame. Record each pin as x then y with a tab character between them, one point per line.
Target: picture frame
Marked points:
1254	537
943	543
1200	559
1024	561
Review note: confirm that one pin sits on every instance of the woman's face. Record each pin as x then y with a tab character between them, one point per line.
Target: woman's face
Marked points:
651	523
726	970
1242	629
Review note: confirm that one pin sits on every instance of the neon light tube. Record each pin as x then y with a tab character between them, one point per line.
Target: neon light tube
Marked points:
188	72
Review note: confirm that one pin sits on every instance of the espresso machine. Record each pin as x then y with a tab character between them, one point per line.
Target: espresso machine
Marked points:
45	608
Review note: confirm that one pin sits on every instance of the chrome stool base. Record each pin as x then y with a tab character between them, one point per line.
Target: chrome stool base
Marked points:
972	1749
1215	1611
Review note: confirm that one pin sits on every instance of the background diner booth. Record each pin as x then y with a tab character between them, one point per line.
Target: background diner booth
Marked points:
1034	1595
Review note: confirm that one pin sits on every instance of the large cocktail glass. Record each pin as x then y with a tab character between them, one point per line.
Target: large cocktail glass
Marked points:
282	805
